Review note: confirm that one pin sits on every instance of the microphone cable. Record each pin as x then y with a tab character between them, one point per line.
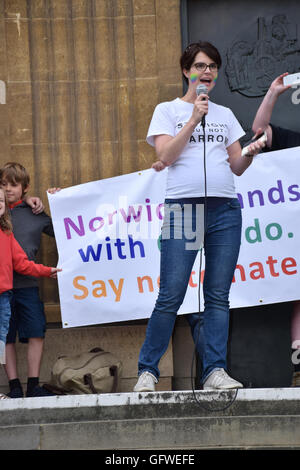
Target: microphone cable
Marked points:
199	402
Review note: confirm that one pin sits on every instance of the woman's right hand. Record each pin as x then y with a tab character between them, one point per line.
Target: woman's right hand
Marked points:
200	108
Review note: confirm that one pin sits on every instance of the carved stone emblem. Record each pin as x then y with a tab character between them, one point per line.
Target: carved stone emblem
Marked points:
266	51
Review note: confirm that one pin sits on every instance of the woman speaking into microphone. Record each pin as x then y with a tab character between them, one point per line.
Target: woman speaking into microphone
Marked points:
201	161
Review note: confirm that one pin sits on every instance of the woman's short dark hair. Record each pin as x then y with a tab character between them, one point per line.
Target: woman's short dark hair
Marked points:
189	54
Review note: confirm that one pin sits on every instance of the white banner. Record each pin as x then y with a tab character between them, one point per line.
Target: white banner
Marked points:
107	235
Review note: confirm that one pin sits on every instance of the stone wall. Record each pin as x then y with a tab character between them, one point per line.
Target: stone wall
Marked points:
123	341
82	78
79	83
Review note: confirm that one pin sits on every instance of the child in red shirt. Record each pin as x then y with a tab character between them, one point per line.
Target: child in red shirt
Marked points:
12	258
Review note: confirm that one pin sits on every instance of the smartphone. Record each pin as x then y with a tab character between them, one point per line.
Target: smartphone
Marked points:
261	138
292	79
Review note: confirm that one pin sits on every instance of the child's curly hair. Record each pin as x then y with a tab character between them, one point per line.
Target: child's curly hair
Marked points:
5	220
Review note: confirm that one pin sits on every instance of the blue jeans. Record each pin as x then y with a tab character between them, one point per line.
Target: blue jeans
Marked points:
5	313
221	246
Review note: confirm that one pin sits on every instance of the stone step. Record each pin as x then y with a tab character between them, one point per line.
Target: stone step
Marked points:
253	418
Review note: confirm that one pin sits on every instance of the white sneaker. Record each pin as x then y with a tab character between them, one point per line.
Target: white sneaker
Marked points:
146	383
220	380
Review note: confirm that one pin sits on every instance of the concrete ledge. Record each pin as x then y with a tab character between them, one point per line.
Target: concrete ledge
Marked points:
256	418
151	398
184	433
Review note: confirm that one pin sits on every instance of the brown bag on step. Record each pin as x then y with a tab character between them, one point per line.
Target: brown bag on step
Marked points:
96	371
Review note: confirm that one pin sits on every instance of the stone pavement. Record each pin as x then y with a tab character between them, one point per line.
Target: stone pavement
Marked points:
250	419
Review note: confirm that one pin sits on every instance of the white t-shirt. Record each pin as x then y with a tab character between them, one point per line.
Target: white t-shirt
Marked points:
186	175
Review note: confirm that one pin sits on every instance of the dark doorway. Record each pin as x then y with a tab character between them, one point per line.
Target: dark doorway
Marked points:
258	41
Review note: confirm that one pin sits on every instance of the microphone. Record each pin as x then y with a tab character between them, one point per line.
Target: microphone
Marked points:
199	90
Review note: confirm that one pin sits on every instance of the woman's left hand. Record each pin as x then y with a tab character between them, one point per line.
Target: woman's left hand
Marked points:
256	147
238	162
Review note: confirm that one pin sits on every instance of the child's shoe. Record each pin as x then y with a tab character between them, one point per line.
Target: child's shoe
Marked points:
3	397
16	392
15	389
38	391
